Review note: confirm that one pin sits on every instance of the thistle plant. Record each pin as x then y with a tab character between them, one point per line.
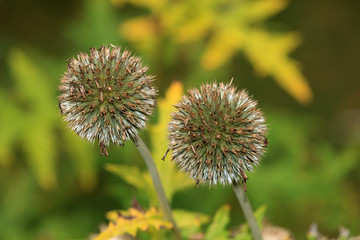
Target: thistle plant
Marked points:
107	97
216	134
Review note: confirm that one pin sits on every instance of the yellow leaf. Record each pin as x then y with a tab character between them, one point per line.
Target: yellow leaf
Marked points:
172	15
194	29
152	4
290	78
233	26
172	96
138	29
260	9
117	3
221	48
172	179
269	54
132	221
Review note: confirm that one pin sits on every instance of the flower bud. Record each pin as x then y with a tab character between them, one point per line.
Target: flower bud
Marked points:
106	96
216	134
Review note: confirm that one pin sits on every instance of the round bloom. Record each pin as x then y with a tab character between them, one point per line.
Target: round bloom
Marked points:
106	96
216	134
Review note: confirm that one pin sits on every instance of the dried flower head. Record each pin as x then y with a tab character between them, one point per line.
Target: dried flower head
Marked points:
217	133
106	96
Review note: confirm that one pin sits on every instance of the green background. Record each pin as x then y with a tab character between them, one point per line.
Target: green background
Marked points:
54	186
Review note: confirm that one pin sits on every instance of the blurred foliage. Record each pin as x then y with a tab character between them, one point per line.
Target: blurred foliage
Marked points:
35	97
38	140
225	27
305	175
95	26
53	185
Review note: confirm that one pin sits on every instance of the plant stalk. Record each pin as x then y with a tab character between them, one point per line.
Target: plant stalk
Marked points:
248	212
164	203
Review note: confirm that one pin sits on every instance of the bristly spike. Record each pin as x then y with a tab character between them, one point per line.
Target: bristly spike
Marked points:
167	151
234	130
105	91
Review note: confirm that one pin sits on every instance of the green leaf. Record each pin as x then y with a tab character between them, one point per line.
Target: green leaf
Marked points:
217	229
259	215
135	177
244	231
83	158
34	90
189	222
9	133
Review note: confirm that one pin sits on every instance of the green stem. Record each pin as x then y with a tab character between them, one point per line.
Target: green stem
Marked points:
248	212
164	203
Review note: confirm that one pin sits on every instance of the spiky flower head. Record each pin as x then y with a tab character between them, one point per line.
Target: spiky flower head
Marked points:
106	96
216	134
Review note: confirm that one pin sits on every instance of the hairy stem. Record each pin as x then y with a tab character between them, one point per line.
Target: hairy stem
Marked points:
164	203
248	212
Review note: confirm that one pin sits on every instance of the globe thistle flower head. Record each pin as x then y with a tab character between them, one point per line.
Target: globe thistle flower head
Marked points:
216	134
106	96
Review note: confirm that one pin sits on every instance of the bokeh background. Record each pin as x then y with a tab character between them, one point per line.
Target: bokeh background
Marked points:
300	59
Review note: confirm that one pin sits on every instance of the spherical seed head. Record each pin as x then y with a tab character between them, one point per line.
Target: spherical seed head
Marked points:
106	95
216	134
